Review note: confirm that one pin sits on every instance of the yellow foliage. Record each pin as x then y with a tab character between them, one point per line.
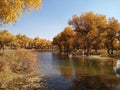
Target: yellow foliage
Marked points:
11	10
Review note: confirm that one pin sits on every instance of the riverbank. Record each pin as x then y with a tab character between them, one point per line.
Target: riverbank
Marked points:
18	70
102	54
99	57
29	81
95	57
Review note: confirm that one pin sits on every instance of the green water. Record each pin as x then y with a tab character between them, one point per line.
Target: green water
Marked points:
63	73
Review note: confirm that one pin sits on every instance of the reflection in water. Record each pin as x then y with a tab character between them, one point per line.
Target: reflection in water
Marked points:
95	82
66	70
64	73
116	68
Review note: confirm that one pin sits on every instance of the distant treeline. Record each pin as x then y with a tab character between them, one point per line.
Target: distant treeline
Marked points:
8	40
89	32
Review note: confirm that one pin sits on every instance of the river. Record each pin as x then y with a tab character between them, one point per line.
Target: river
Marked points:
63	73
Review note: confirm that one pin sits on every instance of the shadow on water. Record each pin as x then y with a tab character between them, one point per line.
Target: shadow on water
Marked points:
95	82
63	73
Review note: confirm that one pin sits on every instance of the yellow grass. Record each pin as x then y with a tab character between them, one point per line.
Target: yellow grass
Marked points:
16	66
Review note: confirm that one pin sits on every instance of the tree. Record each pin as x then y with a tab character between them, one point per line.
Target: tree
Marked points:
57	41
112	30
11	10
67	37
36	42
5	38
79	42
45	44
101	25
22	41
64	40
48	44
89	26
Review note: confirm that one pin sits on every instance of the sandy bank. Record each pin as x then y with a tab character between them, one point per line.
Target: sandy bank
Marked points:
99	57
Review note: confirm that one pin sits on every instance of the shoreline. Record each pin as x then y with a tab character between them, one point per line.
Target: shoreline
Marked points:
98	57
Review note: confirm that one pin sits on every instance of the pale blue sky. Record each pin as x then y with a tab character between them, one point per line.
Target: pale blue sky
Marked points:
53	16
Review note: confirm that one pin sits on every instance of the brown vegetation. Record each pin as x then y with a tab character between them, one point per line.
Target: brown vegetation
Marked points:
11	41
89	32
18	70
11	10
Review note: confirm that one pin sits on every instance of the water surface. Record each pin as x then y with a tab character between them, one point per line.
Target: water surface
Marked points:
63	73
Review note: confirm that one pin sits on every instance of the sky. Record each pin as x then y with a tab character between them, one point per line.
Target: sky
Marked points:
53	16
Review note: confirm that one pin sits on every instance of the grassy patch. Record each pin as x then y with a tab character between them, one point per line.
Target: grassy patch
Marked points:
18	70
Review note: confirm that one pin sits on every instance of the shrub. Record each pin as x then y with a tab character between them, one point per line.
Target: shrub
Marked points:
18	70
25	61
18	61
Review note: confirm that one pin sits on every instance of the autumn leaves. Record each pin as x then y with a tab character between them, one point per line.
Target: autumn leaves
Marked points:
11	10
89	31
11	41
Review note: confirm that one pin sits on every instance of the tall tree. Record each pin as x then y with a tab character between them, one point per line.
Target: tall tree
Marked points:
89	26
64	40
67	37
57	41
101	25
112	30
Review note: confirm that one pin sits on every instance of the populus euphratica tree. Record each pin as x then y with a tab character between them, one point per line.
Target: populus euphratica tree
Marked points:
11	10
113	29
5	38
89	26
64	40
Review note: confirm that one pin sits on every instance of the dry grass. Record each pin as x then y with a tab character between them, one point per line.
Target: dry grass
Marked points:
18	61
17	64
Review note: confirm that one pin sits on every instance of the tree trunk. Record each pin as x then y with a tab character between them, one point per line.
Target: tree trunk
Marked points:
87	52
108	51
88	49
3	47
83	52
112	47
60	48
0	47
96	51
112	50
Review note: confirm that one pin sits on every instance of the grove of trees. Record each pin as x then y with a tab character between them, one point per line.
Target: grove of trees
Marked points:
11	41
88	32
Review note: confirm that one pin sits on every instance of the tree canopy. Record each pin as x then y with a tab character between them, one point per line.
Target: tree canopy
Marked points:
22	41
91	31
64	39
11	10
